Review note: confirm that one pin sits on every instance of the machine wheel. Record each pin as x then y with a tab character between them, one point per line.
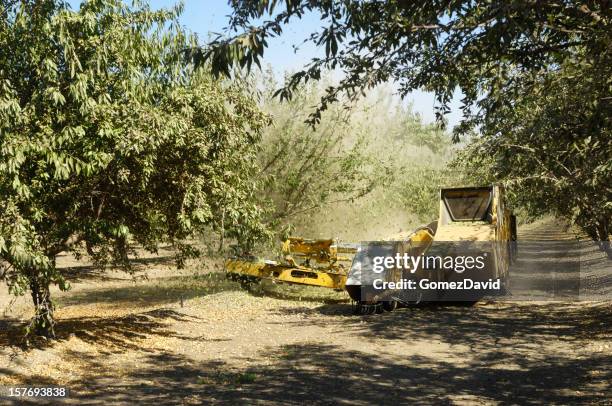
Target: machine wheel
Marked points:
369	308
358	307
247	282
361	308
390	305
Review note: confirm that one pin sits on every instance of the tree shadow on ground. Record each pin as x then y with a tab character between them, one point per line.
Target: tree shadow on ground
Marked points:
503	367
81	273
563	269
321	374
110	334
479	326
12	333
158	291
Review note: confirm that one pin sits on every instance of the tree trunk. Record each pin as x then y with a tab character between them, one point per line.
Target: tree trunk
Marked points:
222	233
604	237
42	323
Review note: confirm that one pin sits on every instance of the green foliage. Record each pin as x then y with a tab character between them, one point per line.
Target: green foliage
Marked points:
479	47
420	192
555	153
306	169
535	77
394	151
356	155
416	157
108	138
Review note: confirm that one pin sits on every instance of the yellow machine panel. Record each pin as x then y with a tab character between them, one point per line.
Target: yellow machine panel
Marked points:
306	262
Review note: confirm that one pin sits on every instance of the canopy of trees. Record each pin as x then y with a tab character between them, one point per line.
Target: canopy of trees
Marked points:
553	147
305	169
366	164
536	79
107	137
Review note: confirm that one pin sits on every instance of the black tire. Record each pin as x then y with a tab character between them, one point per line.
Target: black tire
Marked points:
390	305
248	282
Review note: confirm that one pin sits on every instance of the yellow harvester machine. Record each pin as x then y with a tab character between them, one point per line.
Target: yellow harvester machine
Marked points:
467	215
473	222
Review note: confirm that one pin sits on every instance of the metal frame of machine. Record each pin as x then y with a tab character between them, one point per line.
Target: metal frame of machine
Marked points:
304	262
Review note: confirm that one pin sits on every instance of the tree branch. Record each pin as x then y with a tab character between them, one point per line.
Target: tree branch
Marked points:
65	245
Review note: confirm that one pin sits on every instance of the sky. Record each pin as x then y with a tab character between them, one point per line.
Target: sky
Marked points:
211	16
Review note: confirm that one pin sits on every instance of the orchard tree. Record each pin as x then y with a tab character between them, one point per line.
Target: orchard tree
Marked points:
306	169
535	78
476	46
555	152
109	139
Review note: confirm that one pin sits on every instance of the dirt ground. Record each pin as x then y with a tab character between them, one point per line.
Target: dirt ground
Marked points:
191	337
